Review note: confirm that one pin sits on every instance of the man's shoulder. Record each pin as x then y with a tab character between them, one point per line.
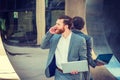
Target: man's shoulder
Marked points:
81	34
78	40
87	36
78	37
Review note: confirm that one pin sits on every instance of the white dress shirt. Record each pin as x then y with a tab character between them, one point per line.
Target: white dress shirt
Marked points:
62	49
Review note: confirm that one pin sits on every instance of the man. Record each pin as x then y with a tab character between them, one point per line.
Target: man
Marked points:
78	24
64	47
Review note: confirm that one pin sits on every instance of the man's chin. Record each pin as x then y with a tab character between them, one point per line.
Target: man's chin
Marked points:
60	32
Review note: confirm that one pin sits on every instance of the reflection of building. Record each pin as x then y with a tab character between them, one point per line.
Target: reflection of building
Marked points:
34	17
26	22
54	8
19	20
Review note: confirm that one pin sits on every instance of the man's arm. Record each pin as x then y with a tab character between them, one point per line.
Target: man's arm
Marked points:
46	40
89	43
45	44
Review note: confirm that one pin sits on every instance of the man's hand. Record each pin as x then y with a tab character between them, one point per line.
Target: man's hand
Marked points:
99	63
53	30
74	72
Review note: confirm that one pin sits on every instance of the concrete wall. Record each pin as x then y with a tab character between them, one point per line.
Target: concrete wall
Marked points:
40	19
76	8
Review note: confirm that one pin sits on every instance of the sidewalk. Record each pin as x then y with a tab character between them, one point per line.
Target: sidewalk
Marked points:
7	72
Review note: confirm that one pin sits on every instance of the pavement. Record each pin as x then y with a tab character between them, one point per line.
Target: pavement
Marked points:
29	64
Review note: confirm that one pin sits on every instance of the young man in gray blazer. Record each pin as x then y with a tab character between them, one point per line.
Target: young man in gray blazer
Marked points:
78	24
65	46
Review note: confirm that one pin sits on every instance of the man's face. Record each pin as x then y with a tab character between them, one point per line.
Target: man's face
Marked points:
60	26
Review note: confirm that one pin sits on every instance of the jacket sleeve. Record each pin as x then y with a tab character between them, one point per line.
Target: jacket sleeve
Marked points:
89	43
83	50
45	44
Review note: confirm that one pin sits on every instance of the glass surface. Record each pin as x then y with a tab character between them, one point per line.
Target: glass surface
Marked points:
18	20
54	8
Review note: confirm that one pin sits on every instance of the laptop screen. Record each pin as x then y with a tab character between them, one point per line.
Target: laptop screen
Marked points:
104	57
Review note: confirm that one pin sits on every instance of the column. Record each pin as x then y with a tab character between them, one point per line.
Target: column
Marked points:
76	8
40	19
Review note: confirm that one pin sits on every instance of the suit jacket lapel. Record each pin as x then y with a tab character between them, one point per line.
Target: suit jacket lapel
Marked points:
71	43
56	42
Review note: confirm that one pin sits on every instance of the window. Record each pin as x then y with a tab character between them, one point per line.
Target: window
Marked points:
54	8
20	21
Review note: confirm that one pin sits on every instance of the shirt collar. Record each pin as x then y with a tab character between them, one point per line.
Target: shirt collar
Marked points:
69	36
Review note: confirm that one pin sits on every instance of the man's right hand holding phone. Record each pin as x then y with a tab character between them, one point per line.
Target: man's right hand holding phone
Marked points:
53	30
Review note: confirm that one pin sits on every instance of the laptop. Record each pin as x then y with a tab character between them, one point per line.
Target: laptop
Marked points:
104	58
80	66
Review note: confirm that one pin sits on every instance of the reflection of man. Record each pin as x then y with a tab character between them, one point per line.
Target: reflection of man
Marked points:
64	47
78	24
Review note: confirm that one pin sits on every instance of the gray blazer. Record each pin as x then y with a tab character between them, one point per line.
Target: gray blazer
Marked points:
89	43
77	50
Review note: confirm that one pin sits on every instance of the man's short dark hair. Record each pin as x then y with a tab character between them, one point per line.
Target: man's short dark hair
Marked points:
78	22
67	20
